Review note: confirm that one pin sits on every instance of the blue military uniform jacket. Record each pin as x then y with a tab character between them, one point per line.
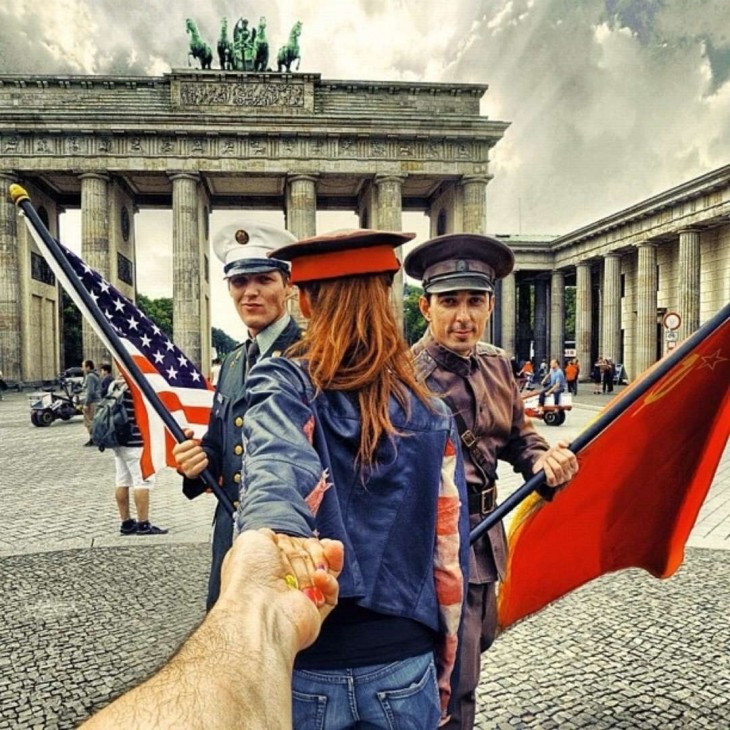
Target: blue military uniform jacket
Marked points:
223	444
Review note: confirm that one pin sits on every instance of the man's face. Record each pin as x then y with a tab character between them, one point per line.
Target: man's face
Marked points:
457	318
260	299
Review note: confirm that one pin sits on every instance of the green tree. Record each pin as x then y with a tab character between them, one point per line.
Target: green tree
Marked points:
222	342
415	324
569	308
158	310
72	339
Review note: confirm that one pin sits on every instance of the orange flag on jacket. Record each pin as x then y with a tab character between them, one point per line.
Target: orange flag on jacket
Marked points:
641	484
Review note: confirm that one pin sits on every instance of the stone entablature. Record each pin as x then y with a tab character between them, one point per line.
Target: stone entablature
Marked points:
702	202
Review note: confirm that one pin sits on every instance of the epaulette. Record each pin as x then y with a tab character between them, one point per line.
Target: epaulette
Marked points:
484	348
424	365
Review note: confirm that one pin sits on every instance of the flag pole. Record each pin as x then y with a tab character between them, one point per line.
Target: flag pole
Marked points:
605	419
21	198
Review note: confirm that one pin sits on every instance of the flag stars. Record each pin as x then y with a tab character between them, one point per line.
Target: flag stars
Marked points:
169	345
182	360
104	285
195	376
709	361
132	322
156	330
146	341
119	305
159	357
171	373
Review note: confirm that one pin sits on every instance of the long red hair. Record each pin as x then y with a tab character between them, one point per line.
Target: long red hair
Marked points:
353	344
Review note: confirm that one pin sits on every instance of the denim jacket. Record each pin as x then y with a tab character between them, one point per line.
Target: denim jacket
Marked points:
403	522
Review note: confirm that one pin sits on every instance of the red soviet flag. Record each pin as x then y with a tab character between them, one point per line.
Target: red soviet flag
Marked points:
641	484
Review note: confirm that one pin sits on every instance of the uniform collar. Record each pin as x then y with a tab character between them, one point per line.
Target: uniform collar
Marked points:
449	359
269	335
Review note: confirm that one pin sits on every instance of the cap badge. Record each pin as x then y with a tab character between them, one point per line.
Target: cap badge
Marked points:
461	265
241	236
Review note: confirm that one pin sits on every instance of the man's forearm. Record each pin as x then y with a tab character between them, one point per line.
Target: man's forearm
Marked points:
202	686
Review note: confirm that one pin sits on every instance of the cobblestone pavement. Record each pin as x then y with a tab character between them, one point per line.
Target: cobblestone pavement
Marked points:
88	614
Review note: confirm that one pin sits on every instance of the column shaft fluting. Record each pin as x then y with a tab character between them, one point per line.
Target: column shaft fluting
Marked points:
10	319
508	305
688	282
301	212
541	322
475	204
557	315
611	333
186	267
95	248
390	218
583	310
646	304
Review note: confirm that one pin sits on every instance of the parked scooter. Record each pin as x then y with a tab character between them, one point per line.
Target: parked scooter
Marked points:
47	406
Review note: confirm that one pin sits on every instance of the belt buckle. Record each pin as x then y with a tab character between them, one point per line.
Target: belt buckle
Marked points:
488	499
468	438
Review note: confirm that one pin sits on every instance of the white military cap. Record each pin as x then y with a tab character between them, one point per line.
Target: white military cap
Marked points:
244	248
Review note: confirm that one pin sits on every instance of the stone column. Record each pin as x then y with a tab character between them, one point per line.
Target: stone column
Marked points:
301	210
508	304
557	315
10	320
611	331
474	189
186	271
541	321
583	308
390	218
688	282
524	320
646	303
95	248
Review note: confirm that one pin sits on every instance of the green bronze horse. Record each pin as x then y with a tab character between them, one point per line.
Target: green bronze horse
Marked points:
261	47
290	52
198	47
225	48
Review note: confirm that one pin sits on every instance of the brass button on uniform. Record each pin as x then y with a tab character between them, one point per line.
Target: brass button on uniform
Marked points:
238	450
238	422
237	477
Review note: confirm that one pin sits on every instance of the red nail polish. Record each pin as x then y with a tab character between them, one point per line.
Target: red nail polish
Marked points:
314	595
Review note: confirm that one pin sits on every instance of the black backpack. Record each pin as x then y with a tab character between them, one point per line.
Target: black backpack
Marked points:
110	426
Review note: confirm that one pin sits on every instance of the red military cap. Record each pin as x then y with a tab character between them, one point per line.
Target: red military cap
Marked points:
343	253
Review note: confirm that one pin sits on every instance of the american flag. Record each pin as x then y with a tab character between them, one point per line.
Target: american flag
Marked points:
180	386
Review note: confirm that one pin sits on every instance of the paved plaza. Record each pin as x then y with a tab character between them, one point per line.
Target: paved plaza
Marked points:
87	614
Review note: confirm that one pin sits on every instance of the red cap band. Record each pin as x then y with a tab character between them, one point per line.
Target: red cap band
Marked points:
351	262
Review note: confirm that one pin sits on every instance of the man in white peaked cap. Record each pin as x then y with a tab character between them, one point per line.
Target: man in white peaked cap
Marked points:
259	287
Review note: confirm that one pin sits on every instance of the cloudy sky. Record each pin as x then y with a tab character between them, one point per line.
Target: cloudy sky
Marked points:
610	101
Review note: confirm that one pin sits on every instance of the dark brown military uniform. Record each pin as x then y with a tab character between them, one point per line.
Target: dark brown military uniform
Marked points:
482	393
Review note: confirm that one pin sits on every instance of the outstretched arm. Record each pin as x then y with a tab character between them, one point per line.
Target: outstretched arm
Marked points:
235	669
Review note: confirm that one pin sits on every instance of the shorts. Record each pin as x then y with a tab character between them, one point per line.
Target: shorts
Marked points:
129	471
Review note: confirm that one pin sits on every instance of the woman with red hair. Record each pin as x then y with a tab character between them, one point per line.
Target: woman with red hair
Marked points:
342	442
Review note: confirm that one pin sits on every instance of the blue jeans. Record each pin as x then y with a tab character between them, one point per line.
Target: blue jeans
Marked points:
401	695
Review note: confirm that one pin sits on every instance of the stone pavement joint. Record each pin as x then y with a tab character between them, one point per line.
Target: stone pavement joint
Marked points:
88	614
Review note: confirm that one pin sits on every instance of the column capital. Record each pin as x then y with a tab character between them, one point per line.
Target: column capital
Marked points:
307	176
689	229
384	177
612	255
96	175
479	178
646	244
182	175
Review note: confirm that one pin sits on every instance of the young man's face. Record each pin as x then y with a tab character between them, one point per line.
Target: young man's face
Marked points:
260	299
457	318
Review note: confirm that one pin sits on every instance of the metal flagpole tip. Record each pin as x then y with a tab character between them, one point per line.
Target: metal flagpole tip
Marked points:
18	193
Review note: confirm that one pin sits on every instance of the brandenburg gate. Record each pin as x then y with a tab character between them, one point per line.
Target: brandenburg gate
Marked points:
197	141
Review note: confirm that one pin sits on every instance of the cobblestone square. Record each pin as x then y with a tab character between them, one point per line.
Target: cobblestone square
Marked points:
88	613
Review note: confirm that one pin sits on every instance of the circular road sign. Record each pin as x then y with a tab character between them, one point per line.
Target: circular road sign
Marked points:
672	321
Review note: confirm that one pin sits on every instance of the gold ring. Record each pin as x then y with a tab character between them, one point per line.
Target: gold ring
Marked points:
291	581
